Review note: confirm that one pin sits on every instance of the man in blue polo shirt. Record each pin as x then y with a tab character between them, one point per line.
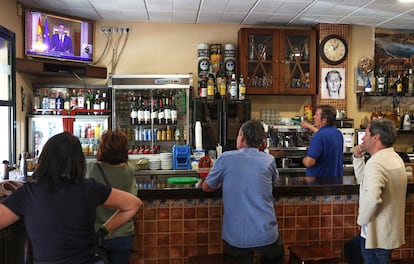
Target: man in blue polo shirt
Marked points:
324	159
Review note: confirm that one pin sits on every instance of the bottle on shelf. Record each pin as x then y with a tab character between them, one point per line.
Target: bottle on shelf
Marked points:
161	113
221	83
134	112
167	111
97	102
36	101
399	85
210	84
380	81
81	99
140	111
73	100
59	102
154	111
410	82
202	88
233	87
174	113
242	88
45	102
52	102
169	133
147	112
406	124
66	104
104	102
89	100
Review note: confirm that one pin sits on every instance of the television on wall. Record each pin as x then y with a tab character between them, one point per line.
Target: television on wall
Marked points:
59	37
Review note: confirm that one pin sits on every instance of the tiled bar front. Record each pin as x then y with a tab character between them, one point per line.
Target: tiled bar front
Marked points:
178	223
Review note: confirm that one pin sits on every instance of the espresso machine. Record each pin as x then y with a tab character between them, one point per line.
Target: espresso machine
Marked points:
288	144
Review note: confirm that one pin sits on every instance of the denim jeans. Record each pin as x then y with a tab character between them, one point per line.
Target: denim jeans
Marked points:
271	254
118	249
375	255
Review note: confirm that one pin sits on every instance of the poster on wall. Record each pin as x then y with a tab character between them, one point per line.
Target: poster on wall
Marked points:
333	83
391	43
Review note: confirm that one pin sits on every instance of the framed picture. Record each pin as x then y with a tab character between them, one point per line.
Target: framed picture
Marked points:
333	83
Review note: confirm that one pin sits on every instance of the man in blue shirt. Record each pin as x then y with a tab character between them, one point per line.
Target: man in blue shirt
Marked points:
324	159
247	176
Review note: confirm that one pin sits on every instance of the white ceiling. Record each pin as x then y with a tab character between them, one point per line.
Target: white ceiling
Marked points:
376	13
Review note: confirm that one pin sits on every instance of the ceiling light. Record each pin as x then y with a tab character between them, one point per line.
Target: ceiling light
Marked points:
406	1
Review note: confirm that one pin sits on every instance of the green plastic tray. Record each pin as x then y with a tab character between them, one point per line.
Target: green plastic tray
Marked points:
182	180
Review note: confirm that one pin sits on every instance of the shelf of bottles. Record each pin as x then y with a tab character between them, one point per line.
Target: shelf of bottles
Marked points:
85	112
153	119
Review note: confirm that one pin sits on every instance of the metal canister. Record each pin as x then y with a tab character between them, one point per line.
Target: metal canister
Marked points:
203	53
230	59
5	170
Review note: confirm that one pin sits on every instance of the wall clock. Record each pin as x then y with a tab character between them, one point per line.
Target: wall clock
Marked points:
333	49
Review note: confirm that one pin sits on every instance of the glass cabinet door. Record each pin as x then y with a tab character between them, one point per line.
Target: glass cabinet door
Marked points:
297	74
257	59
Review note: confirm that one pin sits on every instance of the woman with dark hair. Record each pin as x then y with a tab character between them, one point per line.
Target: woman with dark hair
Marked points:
59	207
111	168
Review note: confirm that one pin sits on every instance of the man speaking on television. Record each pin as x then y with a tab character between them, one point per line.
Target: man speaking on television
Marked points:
61	41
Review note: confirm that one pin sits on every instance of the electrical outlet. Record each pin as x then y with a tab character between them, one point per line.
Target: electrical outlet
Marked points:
105	30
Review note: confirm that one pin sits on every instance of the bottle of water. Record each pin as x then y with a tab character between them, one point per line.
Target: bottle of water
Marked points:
233	87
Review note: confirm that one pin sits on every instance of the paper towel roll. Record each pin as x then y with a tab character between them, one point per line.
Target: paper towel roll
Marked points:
198	135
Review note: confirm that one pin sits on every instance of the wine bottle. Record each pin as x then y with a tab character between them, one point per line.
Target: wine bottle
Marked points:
410	82
147	112
167	111
161	113
140	112
174	113
97	102
242	88
45	102
52	102
380	81
154	111
134	112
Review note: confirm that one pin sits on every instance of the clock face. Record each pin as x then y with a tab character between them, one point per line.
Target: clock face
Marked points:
333	49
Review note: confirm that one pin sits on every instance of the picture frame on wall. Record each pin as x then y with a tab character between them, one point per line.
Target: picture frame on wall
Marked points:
333	83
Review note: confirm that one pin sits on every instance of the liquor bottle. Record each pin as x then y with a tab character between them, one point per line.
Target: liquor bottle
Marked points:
66	104
134	112
89	101
147	112
210	85
404	80
174	113
104	102
161	112
381	85
81	99
399	85
410	82
154	111
169	133
73	100
202	88
242	88
59	102
52	103
221	83
97	102
233	87
45	102
36	101
167	111
140	111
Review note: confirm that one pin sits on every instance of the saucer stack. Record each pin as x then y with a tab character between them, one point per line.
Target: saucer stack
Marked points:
154	164
166	161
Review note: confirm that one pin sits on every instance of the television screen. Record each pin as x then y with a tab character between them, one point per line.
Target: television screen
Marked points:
58	37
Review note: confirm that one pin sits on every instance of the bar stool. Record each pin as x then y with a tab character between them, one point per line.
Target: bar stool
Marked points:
313	254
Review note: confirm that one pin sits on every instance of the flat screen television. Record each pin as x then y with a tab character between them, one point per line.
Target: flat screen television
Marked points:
59	37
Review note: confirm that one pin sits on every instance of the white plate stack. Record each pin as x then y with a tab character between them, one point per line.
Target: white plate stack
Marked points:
154	164
166	161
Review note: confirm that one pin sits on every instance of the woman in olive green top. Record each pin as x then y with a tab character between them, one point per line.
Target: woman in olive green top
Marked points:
112	157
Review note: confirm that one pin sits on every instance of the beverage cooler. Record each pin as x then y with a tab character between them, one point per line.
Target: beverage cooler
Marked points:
49	119
220	121
152	110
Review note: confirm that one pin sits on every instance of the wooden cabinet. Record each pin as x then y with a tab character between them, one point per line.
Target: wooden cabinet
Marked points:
278	61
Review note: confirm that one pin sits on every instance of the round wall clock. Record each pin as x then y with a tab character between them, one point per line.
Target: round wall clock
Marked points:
333	49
